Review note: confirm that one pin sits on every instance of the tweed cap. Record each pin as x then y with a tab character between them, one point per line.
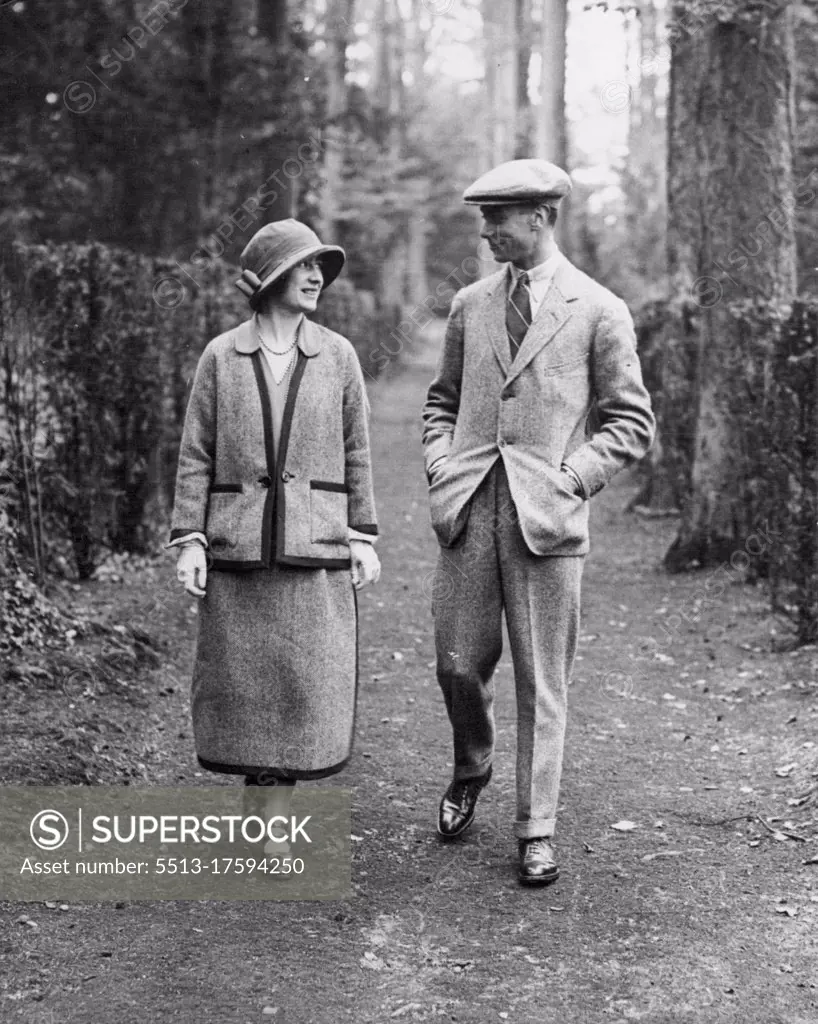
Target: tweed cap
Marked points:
519	181
277	248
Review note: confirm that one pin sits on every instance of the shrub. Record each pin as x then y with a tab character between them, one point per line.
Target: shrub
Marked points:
98	347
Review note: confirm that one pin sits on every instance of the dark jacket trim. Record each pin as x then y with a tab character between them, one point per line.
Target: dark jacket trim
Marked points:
226	489
283	444
268	516
370	528
291	773
225	565
328	485
315	563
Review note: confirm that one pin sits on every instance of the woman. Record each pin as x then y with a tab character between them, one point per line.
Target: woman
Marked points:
275	520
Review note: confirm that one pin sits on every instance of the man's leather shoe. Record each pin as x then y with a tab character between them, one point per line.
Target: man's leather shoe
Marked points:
458	805
538	865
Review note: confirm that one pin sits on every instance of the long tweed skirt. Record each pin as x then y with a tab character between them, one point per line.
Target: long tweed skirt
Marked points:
276	675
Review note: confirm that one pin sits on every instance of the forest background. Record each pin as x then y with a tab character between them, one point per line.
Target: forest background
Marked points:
142	144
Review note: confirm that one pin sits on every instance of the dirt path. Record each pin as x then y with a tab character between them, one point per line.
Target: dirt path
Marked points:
680	717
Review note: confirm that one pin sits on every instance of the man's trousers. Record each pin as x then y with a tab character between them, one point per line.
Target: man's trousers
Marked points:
490	569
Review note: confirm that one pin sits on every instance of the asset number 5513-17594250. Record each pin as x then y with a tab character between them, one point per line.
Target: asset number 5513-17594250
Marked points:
229	866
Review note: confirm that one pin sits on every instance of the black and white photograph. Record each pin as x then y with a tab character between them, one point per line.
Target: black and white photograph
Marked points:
409	511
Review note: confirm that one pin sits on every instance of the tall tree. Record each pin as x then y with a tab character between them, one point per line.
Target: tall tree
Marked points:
273	23
730	230
338	29
551	135
501	63
525	49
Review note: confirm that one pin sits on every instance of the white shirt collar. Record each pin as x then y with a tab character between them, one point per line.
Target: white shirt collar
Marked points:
539	278
542	272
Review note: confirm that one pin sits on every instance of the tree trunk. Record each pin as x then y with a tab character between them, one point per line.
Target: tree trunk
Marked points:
524	141
389	95
338	29
551	137
272	23
730	231
500	41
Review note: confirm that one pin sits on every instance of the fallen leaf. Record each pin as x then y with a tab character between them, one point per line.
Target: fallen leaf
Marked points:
789	911
784	771
810	860
663	853
624	826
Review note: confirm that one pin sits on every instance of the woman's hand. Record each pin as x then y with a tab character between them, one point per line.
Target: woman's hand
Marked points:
366	566
191	568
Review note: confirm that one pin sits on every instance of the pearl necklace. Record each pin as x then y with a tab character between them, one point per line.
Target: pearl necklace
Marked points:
276	352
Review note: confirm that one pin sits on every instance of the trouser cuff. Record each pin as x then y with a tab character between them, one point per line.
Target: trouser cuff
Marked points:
539	828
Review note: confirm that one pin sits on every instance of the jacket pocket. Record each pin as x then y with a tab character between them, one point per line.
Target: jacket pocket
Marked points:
329	517
222	516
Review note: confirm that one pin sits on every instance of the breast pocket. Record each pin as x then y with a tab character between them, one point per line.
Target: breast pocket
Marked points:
328	512
569	367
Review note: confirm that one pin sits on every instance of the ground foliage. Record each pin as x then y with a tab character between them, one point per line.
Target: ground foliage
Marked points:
774	404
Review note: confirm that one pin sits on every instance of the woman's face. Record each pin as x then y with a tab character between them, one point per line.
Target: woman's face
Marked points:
304	283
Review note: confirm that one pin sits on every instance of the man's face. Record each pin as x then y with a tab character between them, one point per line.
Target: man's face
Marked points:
512	232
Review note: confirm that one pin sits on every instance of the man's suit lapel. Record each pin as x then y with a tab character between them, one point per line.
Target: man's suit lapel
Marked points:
496	319
553	313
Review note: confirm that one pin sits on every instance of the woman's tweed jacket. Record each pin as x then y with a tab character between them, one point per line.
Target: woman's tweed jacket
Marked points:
254	508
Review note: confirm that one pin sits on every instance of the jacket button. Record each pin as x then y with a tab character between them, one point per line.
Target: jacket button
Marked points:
265	481
286	477
502	443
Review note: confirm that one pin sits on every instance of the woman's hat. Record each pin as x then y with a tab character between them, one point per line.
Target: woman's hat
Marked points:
277	248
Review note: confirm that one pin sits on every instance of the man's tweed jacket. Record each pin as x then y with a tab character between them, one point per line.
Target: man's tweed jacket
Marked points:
254	507
580	350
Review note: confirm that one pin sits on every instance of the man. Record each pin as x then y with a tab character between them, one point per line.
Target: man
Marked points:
511	463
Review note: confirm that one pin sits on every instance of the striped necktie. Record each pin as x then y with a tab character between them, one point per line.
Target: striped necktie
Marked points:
518	314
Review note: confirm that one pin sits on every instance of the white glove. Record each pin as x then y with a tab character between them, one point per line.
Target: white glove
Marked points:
366	566
191	568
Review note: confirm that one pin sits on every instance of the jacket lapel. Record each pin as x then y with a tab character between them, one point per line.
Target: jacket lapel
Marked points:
495	315
553	313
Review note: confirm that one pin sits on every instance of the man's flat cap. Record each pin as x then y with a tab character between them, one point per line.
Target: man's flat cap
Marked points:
519	181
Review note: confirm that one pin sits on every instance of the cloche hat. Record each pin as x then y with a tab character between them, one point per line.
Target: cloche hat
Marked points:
277	248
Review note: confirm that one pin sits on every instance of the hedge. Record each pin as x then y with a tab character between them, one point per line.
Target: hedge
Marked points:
97	350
